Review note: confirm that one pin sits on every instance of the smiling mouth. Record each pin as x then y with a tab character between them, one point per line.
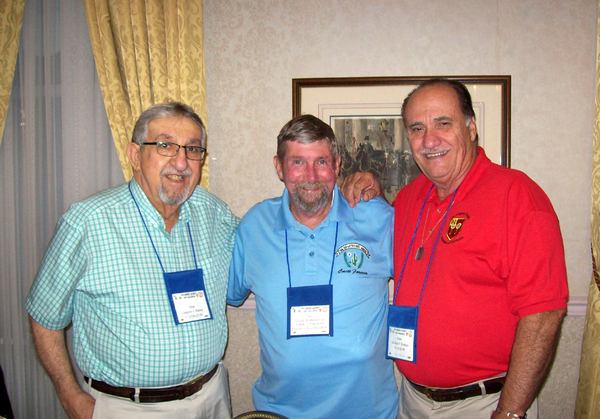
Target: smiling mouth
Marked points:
176	178
431	155
311	189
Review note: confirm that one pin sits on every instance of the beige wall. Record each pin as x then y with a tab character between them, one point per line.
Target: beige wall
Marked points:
254	48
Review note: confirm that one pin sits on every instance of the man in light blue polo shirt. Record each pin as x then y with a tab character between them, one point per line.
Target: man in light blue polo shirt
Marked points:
140	271
319	270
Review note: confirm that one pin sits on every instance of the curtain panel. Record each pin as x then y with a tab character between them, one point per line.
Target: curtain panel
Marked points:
587	405
11	17
56	149
147	52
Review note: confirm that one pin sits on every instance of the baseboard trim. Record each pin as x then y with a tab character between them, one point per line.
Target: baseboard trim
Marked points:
249	304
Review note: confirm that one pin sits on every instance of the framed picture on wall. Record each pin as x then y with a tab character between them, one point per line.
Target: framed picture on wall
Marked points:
365	114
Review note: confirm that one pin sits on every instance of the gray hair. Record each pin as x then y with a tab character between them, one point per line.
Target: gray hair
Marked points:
464	98
165	110
306	129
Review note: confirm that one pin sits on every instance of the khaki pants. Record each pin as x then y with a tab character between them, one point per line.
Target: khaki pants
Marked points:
212	402
414	405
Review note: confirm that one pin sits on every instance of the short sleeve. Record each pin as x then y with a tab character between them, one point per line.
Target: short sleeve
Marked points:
50	300
237	290
537	277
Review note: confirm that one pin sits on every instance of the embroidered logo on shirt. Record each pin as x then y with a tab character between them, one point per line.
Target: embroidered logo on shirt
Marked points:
454	227
354	254
352	260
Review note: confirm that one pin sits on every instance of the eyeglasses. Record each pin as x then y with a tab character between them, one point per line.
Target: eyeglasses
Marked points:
192	152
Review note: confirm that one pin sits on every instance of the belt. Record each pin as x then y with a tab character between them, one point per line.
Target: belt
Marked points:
460	393
154	395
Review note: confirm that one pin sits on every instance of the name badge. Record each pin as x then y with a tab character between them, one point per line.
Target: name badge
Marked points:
187	296
402	333
310	311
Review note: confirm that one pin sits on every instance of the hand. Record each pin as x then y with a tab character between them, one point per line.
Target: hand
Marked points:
360	185
503	415
80	406
497	415
530	360
52	350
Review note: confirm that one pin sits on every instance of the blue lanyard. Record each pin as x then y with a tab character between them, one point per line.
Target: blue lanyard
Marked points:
150	237
287	255
432	250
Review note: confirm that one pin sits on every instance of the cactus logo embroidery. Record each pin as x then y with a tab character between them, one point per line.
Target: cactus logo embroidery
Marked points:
354	254
352	259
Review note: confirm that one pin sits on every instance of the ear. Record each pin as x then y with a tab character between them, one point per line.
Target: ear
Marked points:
338	165
472	129
134	155
279	167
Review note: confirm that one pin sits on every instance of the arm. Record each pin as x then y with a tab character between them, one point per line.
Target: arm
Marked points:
532	354
237	291
52	350
360	185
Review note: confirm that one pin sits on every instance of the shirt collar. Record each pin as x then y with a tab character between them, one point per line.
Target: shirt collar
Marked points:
482	162
340	212
151	215
470	180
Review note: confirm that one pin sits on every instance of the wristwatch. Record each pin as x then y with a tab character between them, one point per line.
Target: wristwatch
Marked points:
508	414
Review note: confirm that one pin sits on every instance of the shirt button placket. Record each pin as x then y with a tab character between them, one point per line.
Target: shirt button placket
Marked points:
310	263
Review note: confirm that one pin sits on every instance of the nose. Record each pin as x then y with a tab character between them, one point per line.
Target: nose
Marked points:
311	173
430	140
180	161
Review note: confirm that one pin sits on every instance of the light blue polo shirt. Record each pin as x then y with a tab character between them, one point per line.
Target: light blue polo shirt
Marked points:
343	376
101	273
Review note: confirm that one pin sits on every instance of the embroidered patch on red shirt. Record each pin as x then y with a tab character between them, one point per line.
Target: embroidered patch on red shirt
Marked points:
454	227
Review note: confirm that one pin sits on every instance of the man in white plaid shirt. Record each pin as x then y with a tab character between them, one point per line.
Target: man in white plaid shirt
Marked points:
140	271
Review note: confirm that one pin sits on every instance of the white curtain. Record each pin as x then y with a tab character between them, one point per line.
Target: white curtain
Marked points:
56	149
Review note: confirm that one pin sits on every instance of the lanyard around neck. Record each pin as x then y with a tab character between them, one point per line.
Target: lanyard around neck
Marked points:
432	250
287	255
150	237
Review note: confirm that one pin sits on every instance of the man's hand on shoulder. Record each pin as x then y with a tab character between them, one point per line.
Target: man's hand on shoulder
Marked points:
360	185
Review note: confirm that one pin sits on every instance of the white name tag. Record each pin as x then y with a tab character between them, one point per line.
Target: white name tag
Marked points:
401	343
191	306
309	320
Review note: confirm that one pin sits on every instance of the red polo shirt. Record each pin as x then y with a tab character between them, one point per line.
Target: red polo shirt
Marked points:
499	257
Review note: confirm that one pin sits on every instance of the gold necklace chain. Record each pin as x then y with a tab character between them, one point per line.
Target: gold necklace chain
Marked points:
421	249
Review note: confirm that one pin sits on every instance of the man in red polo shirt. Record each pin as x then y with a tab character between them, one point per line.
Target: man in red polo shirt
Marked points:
480	276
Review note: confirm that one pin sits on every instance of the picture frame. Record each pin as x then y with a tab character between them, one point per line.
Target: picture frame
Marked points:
365	114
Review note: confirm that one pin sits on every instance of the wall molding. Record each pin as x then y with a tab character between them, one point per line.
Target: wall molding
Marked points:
576	307
249	304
